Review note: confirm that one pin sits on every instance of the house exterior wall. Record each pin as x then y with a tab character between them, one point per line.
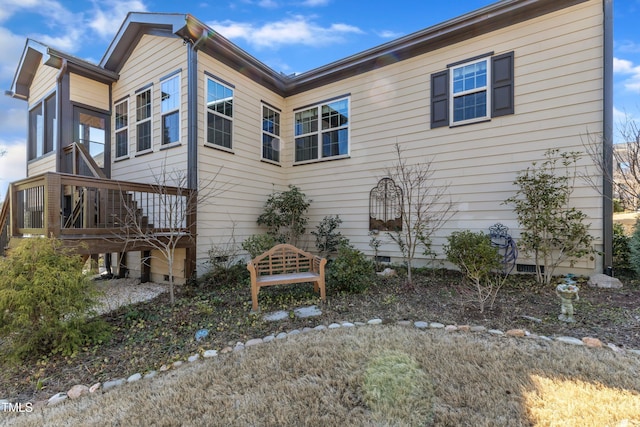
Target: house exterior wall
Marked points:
243	181
88	92
558	100
153	58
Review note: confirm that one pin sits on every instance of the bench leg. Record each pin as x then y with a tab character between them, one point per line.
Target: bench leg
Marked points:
254	297
323	294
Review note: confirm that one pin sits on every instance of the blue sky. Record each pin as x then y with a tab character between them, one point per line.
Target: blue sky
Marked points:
288	35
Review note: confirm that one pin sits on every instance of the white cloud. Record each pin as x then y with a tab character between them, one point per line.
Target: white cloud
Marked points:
12	164
315	3
628	46
13	120
11	46
631	83
106	22
296	30
268	4
388	34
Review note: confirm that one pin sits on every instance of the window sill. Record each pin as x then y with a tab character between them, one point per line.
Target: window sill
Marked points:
121	158
326	159
271	162
144	152
171	145
470	122
219	147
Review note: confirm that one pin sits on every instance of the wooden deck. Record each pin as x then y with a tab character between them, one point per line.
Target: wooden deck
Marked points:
97	215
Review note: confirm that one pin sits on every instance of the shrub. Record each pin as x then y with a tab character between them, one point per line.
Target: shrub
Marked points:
552	231
621	249
479	261
328	240
46	301
285	215
350	271
634	248
259	243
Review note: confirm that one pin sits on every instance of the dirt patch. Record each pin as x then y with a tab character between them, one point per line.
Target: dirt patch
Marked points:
150	334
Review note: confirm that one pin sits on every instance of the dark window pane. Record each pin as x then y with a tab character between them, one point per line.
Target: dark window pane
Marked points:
306	148
270	148
218	130
144	135
122	141
170	128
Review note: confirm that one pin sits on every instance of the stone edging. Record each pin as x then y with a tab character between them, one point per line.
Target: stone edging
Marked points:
78	391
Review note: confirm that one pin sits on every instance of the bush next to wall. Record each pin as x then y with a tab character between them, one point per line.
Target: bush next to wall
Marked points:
46	301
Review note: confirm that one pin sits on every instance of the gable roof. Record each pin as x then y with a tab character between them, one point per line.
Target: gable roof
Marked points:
35	53
205	39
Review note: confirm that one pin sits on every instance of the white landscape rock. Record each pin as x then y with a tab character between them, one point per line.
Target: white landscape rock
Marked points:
135	377
150	374
95	387
77	391
604	281
193	358
56	399
210	353
268	338
275	316
570	340
113	383
421	324
374	321
254	341
304	312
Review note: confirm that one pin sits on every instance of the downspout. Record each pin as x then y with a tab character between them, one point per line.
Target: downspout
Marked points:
607	138
192	114
57	146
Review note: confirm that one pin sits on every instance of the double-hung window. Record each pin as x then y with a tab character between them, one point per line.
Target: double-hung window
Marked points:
143	120
170	109
219	113
122	128
469	84
322	131
270	134
473	90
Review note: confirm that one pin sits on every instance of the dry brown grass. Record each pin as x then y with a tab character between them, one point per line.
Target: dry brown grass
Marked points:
347	377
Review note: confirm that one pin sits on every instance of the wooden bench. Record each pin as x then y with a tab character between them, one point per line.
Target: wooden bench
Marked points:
284	264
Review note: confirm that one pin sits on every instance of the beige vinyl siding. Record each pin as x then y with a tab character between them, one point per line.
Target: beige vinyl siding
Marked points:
44	82
244	181
46	163
558	100
154	58
88	92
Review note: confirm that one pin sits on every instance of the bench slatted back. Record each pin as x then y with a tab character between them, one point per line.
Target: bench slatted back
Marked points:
283	259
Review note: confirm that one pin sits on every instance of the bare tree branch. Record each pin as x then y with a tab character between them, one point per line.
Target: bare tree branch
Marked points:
426	206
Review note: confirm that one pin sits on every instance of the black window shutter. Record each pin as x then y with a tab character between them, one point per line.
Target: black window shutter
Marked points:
502	85
440	99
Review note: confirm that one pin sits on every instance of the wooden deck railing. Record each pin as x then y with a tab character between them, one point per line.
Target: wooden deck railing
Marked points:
78	207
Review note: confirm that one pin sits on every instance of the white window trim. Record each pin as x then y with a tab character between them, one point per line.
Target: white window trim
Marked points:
453	96
122	129
262	132
319	132
150	119
165	113
207	110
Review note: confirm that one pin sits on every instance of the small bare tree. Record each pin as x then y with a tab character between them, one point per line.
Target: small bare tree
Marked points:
168	215
622	166
426	206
